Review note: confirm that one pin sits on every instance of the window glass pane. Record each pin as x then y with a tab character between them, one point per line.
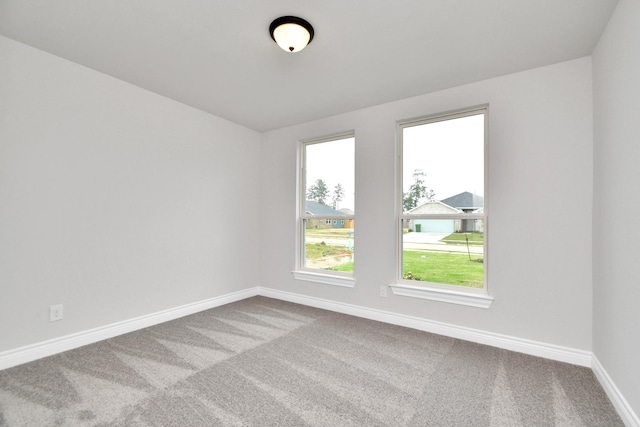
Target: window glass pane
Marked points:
443	180
447	251
329	185
441	161
328	246
329	169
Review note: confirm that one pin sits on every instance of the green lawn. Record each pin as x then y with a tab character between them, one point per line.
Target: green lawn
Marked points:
328	232
319	250
449	268
434	267
328	257
459	238
346	267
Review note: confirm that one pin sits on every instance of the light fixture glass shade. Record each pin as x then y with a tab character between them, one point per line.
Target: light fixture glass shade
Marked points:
291	33
291	37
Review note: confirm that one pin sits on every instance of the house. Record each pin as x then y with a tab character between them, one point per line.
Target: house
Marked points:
348	222
468	203
315	208
434	225
148	151
465	202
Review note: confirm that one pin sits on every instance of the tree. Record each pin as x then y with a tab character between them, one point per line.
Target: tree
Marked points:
318	192
417	191
338	193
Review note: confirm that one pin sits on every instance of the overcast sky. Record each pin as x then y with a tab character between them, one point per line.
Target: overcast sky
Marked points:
450	153
334	163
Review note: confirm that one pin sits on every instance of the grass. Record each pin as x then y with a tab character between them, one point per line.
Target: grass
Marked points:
434	267
346	267
449	268
329	232
319	250
459	238
327	257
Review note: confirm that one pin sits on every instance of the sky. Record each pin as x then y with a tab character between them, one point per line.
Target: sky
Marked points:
333	162
450	153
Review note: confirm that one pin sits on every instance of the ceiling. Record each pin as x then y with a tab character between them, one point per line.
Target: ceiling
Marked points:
217	55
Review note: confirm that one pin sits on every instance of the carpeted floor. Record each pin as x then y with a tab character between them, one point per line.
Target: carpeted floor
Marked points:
264	362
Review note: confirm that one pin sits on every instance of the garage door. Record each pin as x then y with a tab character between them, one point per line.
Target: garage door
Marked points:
434	225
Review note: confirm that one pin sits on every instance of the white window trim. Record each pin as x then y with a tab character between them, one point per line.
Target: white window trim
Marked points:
327	277
425	291
452	294
333	278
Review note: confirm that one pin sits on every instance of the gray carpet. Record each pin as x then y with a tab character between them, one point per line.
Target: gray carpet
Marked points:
264	362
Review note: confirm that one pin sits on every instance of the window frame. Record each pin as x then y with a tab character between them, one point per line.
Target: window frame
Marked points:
476	297
301	272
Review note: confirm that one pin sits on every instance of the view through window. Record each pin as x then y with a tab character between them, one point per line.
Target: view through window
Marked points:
327	214
443	217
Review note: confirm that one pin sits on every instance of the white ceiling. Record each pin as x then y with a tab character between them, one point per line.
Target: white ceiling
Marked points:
217	55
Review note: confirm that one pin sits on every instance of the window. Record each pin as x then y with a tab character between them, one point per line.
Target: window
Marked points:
443	219
326	211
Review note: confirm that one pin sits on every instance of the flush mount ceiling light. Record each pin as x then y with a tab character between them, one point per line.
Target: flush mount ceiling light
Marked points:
291	33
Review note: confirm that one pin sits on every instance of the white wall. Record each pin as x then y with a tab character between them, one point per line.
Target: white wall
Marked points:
114	201
616	264
539	209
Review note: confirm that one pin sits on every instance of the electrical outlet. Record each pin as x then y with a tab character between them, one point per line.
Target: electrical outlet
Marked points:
383	291
55	313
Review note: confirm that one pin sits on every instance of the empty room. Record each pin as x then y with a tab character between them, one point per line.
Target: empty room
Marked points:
411	213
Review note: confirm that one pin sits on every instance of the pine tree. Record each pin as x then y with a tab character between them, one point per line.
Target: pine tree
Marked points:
318	192
418	192
338	193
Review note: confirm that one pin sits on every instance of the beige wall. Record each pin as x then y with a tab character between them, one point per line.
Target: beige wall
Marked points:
616	270
540	155
114	201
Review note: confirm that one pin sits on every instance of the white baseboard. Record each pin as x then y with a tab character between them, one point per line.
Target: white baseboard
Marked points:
626	412
57	345
39	350
534	348
549	351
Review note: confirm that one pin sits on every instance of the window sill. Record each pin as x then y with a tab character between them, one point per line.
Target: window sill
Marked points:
442	295
327	279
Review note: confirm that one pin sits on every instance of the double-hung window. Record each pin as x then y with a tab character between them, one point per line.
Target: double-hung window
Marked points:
326	237
442	203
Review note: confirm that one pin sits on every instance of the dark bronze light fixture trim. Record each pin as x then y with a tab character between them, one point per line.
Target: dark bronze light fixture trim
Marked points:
291	33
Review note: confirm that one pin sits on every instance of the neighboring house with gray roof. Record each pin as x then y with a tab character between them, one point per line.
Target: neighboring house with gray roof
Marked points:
433	207
348	222
468	203
318	209
465	202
